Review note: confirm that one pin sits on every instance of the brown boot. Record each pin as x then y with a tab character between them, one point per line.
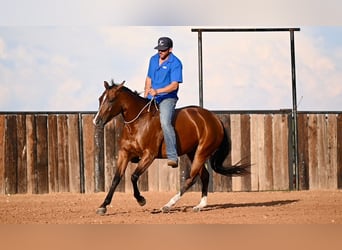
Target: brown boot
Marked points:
172	163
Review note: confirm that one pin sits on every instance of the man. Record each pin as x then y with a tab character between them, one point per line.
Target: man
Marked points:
162	82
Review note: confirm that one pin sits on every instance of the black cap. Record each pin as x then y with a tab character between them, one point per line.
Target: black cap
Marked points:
164	43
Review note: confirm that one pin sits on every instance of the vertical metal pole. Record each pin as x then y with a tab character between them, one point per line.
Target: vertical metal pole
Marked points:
294	109
81	156
200	68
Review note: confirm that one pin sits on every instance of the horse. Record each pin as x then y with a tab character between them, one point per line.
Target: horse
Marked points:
200	135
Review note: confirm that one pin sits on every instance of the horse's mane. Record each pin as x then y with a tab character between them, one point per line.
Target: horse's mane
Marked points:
113	84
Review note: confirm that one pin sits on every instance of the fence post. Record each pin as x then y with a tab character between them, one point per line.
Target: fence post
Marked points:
99	159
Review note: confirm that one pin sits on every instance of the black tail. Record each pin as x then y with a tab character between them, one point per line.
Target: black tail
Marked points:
217	159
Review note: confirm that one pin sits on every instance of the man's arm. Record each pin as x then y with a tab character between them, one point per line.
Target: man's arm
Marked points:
169	88
148	85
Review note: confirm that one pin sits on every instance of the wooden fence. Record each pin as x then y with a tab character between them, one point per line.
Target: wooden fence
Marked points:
63	152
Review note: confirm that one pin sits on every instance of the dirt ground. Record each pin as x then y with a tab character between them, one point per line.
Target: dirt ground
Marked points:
296	207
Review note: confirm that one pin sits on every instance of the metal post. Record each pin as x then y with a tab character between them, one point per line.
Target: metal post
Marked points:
200	68
81	156
294	109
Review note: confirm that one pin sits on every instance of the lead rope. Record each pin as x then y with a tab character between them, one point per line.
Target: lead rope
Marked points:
148	110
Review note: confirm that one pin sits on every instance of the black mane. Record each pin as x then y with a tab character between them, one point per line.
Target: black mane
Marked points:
113	84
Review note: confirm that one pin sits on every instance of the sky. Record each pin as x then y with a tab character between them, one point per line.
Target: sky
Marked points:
55	55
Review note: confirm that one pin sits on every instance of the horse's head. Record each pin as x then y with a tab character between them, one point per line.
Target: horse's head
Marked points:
109	106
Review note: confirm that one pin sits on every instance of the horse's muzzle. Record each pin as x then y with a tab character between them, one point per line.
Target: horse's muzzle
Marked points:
97	121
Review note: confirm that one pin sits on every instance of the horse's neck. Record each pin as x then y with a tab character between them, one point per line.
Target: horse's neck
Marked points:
133	106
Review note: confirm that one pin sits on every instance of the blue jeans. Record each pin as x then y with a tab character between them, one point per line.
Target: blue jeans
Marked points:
167	111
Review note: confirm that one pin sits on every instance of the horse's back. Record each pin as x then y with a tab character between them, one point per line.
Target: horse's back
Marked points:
197	114
197	126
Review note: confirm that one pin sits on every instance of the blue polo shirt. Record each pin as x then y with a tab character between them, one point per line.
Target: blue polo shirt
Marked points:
162	75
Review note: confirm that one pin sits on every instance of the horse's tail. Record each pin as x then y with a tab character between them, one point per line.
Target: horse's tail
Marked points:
217	159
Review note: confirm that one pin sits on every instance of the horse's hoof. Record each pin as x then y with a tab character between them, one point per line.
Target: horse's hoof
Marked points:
141	201
165	209
101	210
196	209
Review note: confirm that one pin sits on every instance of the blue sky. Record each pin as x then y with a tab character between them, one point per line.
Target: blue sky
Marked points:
57	59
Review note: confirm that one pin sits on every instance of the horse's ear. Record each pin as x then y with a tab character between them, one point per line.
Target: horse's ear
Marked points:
106	84
121	85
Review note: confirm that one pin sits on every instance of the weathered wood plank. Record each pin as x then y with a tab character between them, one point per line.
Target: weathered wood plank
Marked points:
42	167
168	177
88	149
257	152
339	150
322	150
331	158
63	156
220	182
303	152
280	152
53	153
268	153
99	159
153	176
22	155
110	150
31	138
235	129
11	155
74	154
246	181
2	153
312	142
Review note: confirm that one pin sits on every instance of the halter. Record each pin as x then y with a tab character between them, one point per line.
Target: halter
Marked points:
148	110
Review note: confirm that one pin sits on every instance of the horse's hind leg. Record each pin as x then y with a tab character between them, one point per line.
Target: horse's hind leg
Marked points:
204	174
188	183
195	170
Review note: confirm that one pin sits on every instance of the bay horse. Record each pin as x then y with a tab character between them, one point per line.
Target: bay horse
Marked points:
200	135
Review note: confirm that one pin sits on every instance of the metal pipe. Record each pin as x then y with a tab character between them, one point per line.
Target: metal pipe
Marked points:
81	155
294	109
244	29
200	68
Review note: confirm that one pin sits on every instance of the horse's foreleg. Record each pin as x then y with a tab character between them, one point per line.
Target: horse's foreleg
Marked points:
103	208
122	165
143	164
140	199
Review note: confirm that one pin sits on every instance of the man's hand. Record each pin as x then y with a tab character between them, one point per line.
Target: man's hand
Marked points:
153	92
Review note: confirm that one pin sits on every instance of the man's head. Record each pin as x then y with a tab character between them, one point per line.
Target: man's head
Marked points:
164	43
